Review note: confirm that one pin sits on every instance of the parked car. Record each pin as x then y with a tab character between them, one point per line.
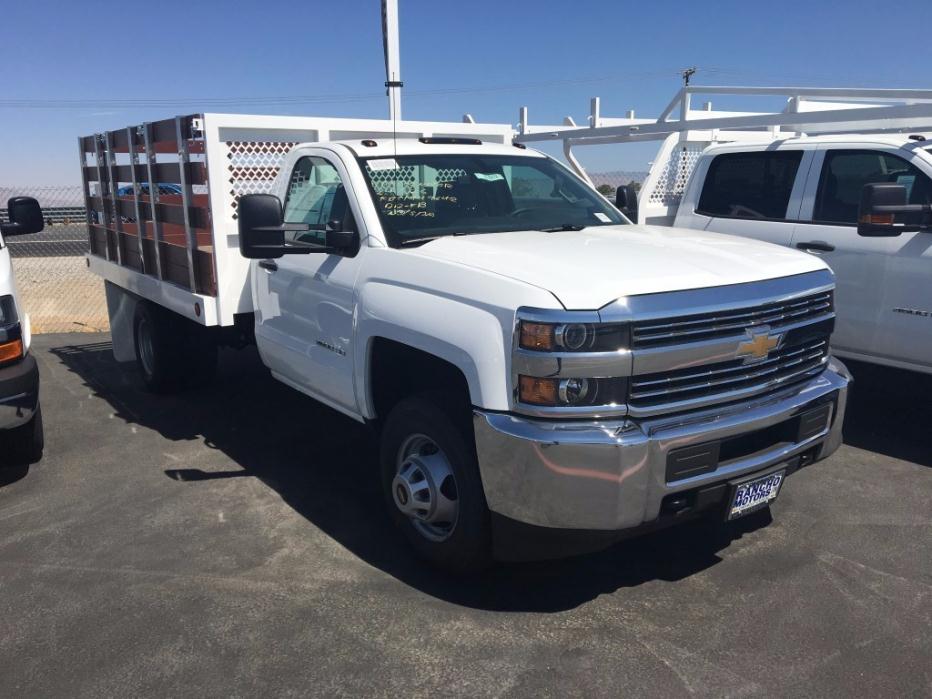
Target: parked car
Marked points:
162	187
21	435
545	377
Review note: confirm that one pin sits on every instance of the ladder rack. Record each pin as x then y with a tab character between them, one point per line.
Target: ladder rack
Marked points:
685	132
808	111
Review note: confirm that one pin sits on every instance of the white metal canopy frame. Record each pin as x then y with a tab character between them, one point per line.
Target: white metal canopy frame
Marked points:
686	131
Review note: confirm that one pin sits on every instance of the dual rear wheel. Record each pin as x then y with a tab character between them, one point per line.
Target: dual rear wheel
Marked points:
172	352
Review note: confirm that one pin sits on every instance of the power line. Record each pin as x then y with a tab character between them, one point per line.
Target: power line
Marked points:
202	102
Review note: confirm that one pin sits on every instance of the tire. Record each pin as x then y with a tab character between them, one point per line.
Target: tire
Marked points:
172	353
422	422
27	442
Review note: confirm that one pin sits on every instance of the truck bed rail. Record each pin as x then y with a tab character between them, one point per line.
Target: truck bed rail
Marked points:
148	207
162	197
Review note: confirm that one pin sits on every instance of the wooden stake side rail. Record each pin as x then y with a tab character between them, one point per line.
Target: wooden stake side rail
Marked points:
160	227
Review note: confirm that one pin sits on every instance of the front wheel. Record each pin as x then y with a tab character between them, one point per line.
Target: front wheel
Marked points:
431	482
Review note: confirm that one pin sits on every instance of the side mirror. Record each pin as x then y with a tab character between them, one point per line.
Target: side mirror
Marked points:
339	240
25	217
626	201
261	235
262	229
880	203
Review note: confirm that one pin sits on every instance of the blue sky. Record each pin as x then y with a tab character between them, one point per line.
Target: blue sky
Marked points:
550	56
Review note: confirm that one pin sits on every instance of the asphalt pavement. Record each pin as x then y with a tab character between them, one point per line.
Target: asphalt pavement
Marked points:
231	541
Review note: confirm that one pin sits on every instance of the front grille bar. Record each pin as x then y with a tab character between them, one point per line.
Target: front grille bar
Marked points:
691	327
814	350
654	394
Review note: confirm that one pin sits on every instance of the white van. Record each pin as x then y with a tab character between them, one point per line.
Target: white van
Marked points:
21	437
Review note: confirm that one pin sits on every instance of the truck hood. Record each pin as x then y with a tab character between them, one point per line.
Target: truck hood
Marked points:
590	268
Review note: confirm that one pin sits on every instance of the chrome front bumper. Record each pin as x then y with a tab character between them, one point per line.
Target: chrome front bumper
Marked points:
611	475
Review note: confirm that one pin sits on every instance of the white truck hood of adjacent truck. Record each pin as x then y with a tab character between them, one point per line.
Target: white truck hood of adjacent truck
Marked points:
590	268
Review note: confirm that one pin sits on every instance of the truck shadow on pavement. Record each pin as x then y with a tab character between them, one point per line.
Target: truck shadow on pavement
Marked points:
890	412
323	465
12	472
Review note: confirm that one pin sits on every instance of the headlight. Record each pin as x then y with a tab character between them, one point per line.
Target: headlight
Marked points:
11	336
578	392
572	337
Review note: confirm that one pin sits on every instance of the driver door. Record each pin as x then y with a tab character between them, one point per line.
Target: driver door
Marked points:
304	303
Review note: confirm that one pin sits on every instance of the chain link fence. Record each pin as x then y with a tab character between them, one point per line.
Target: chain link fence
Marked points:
608	182
57	290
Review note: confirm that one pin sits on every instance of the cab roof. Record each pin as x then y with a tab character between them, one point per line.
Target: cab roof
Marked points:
899	140
387	147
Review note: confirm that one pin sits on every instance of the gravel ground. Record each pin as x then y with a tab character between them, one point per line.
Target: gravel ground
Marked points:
230	542
61	295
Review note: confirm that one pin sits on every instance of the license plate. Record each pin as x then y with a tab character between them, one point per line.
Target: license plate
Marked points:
755	494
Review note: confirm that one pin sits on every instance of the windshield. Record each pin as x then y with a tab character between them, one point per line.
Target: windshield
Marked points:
422	197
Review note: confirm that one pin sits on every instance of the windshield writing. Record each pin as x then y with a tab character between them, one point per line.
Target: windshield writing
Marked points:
426	196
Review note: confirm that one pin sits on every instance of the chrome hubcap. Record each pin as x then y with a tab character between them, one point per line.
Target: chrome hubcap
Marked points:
146	351
424	488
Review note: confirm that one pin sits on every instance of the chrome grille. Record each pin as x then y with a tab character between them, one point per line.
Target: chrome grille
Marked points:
670	391
709	326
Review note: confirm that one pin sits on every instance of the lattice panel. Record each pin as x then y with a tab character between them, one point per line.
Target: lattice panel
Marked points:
449	174
672	180
391	180
253	166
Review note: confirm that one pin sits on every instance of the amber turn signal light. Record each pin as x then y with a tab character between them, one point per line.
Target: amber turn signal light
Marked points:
536	336
536	391
878	219
11	351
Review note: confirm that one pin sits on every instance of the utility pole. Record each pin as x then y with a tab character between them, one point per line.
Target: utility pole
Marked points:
687	74
392	59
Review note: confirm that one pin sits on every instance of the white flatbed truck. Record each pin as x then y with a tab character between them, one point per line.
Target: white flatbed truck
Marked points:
546	377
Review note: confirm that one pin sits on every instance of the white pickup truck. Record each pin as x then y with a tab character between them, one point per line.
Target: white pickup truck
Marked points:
807	193
546	378
814	187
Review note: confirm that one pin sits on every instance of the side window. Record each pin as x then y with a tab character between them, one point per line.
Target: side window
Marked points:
844	174
749	185
315	196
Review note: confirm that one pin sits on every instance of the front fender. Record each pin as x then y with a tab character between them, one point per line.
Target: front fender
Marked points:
474	338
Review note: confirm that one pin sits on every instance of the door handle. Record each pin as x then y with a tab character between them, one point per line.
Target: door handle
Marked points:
269	265
812	245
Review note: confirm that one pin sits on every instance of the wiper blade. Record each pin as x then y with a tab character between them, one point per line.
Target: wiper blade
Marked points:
428	238
564	227
418	241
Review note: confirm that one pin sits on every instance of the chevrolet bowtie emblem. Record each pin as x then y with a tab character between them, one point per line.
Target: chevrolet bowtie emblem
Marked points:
759	343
